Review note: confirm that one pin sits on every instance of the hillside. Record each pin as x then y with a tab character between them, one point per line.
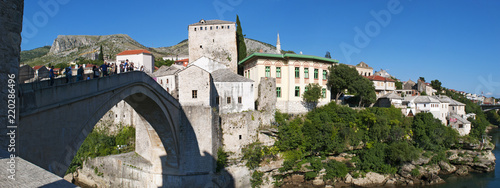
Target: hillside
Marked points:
32	54
67	48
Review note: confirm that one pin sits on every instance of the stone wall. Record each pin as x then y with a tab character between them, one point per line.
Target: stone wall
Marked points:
11	18
216	43
296	107
266	98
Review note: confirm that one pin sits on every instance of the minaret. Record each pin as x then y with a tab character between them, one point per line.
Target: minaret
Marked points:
278	45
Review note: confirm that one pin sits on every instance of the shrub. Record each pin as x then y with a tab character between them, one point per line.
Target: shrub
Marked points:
221	159
415	172
310	175
335	169
256	180
253	154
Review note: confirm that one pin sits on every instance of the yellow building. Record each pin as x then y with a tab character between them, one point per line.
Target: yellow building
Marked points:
293	72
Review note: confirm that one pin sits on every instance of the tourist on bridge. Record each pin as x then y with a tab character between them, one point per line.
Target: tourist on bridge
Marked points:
51	75
68	74
96	72
79	74
104	69
122	67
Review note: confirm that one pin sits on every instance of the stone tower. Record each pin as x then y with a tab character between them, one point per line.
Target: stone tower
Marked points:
215	39
278	45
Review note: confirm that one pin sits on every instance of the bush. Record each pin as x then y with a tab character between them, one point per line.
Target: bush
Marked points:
221	159
335	169
415	172
256	180
253	154
310	175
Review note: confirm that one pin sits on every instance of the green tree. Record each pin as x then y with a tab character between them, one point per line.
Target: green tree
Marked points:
240	40
340	78
436	84
312	94
364	90
422	78
101	55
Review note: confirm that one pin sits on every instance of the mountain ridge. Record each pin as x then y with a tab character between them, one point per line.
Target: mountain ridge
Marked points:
67	48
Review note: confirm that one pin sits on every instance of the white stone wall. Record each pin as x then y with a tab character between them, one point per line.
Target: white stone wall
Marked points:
168	83
194	78
139	60
296	107
235	90
216	42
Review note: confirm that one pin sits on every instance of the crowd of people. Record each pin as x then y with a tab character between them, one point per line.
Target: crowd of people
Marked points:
106	69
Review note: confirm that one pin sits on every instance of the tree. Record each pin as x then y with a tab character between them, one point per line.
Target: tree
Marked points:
364	89
240	40
312	94
327	55
422	78
101	55
399	85
340	78
436	84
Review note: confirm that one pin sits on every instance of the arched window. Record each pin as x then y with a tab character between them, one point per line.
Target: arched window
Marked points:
195	29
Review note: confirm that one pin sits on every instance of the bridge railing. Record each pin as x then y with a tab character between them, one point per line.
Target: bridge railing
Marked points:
40	94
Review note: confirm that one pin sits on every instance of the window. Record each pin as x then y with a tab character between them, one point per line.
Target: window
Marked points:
194	94
201	28
205	28
240	136
195	29
278	92
216	27
216	100
278	72
228	100
297	74
323	93
425	105
167	81
268	71
297	91
306	72
460	126
315	73
201	46
324	74
239	100
210	27
228	26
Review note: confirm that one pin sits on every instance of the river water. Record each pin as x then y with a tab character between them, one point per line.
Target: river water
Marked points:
479	180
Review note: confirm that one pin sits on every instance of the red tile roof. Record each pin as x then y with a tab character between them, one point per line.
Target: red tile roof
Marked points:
379	78
183	60
133	52
37	67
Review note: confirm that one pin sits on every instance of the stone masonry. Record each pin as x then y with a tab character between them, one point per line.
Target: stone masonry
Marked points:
11	18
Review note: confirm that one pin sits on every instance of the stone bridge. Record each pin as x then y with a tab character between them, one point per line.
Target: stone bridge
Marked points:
488	107
55	120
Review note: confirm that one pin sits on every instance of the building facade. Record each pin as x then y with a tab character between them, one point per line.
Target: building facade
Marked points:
195	87
382	85
363	69
139	58
293	72
215	39
235	93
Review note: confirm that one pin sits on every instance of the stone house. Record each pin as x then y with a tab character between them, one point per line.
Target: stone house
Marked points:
166	77
382	85
293	72
459	123
409	85
215	39
41	72
363	69
235	92
26	73
382	73
196	87
139	58
390	99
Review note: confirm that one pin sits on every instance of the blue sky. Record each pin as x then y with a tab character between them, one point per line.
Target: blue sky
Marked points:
454	41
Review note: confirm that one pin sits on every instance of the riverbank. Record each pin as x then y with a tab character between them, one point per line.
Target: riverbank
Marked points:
425	171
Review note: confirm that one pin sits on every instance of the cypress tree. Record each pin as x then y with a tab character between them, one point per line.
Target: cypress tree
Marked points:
240	41
101	55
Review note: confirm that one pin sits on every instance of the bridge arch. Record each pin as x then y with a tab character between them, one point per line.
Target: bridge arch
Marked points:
56	120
